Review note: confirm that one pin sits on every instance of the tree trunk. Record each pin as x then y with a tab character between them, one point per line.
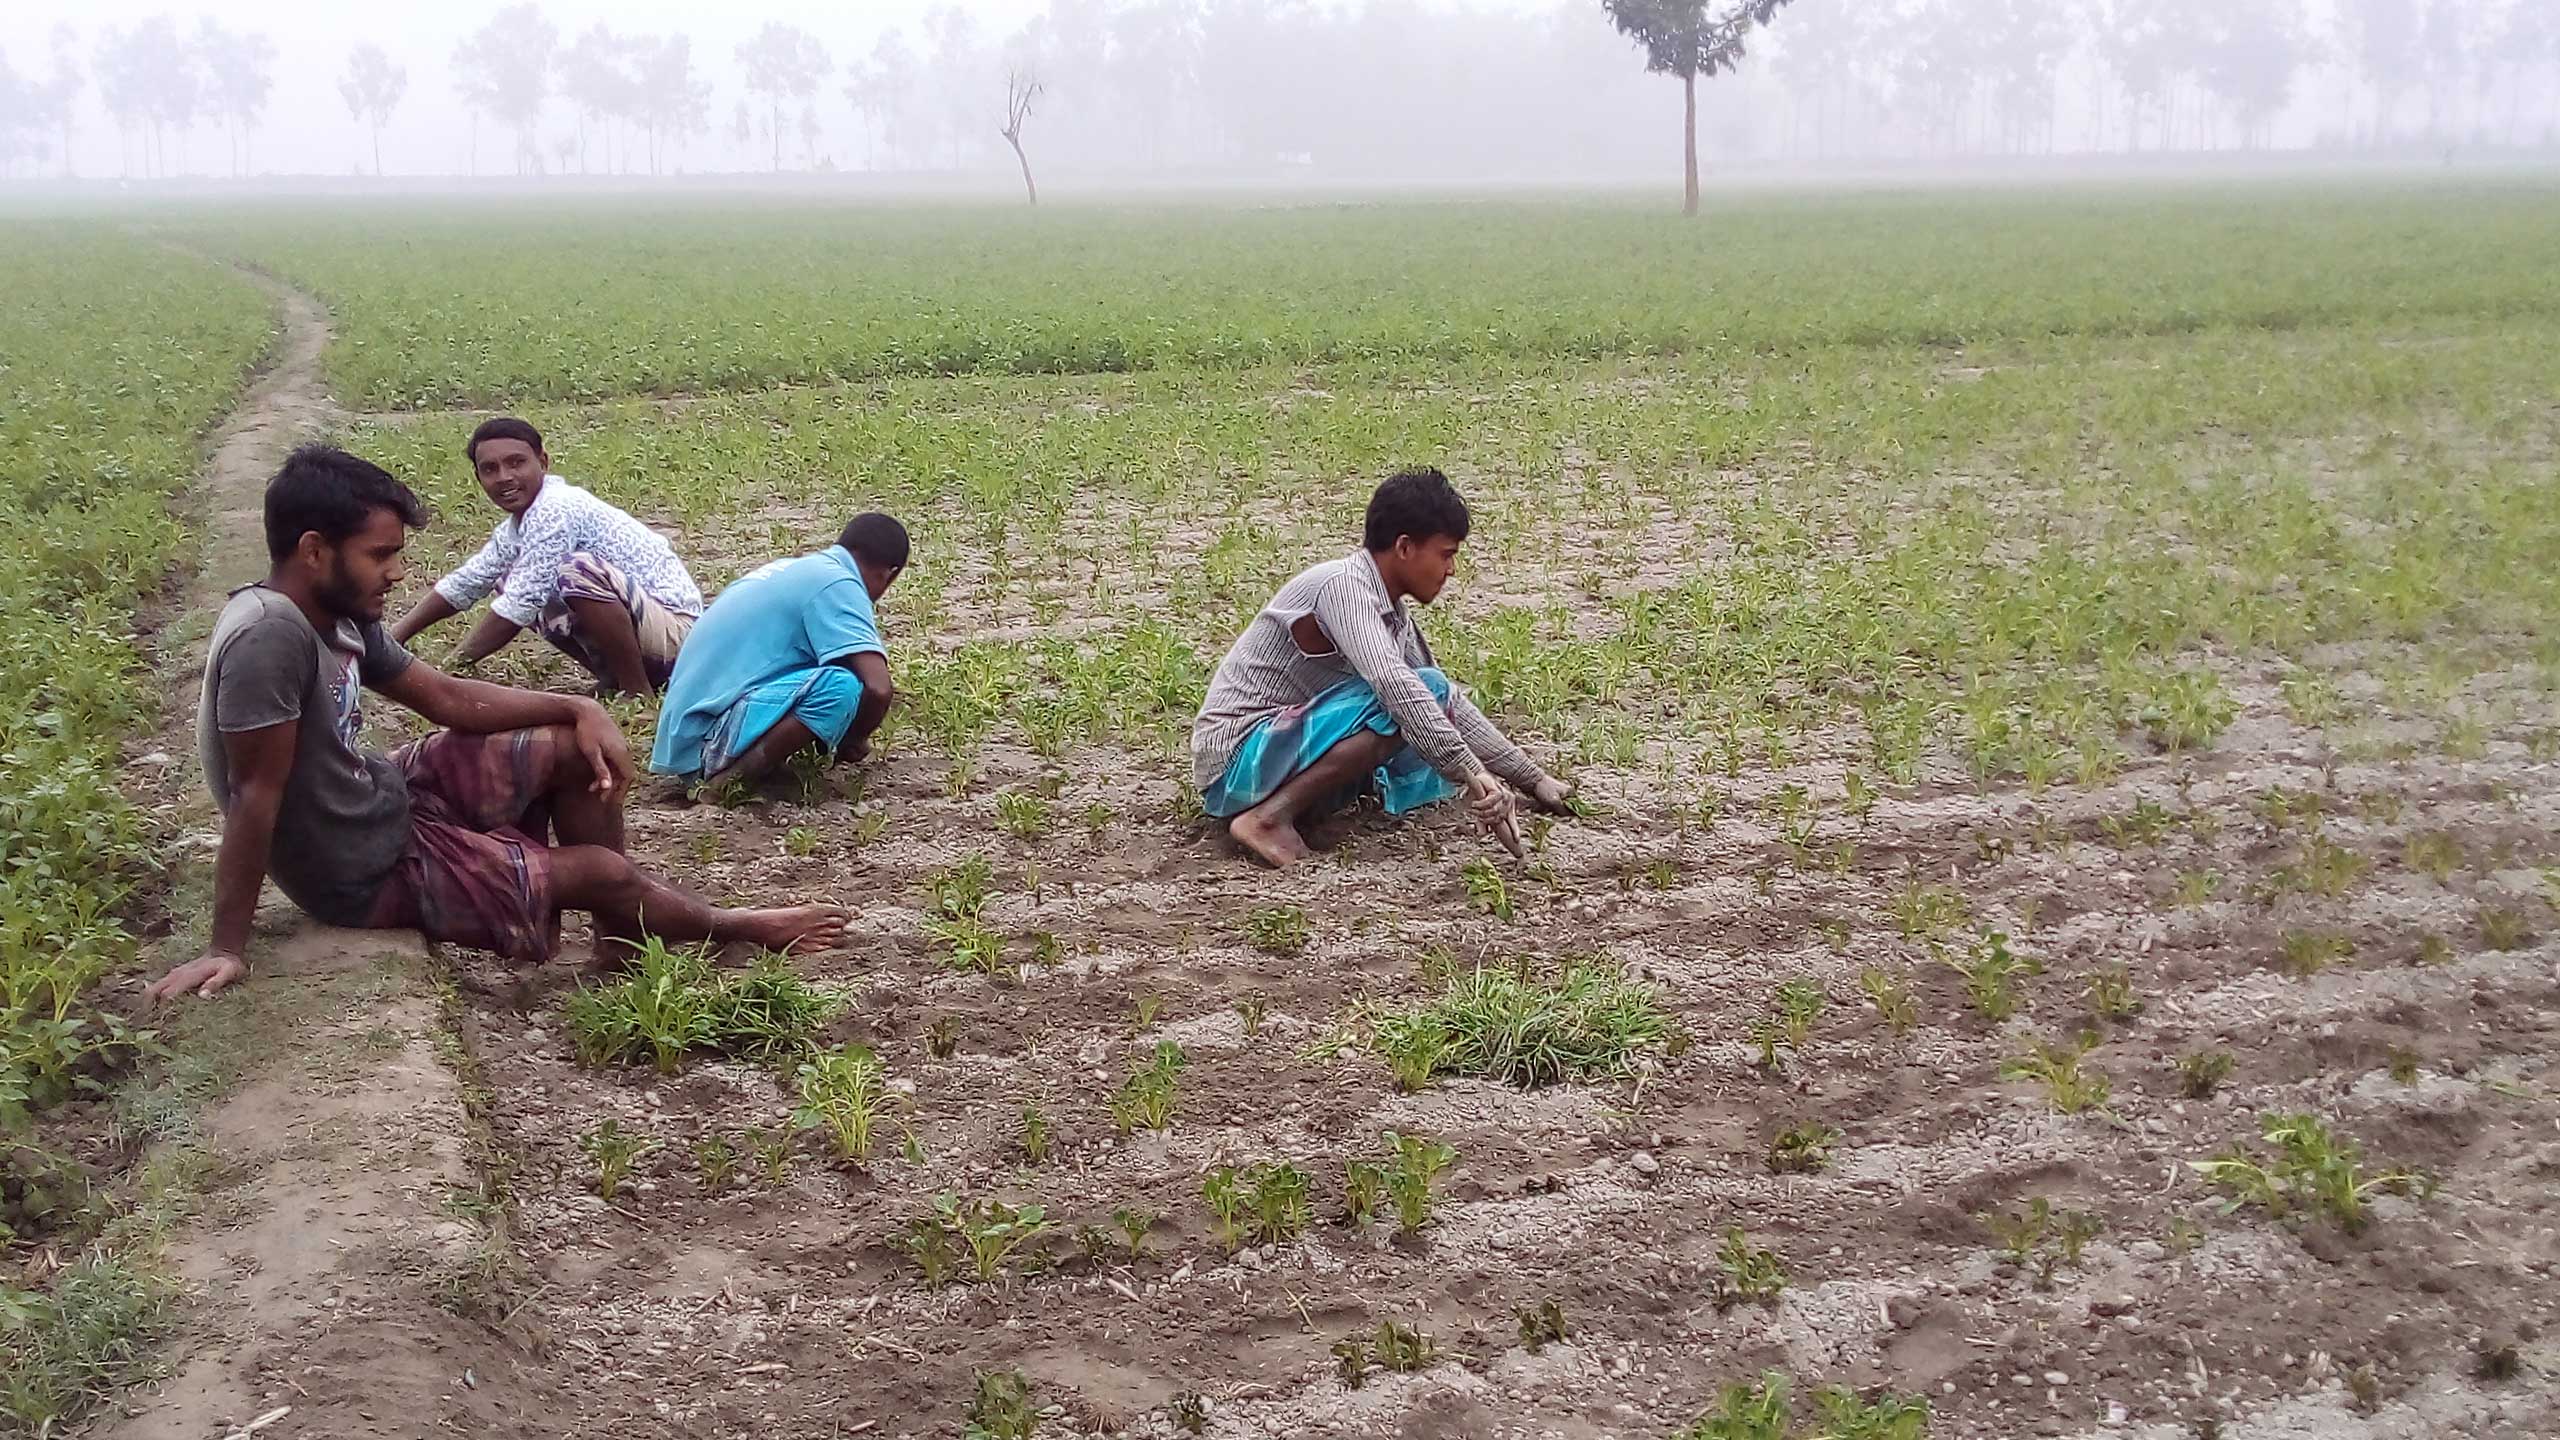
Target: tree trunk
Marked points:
1688	144
773	128
1029	189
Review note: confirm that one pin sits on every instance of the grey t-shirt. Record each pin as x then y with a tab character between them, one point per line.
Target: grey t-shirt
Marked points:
344	820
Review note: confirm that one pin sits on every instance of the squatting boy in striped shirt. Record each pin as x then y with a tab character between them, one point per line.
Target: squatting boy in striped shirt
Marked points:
1332	690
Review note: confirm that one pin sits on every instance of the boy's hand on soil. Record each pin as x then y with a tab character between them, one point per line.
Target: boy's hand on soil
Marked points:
205	975
608	756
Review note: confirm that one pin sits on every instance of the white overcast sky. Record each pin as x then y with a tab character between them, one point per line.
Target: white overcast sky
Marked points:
307	130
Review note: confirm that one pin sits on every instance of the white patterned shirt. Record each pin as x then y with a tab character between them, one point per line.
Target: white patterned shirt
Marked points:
523	557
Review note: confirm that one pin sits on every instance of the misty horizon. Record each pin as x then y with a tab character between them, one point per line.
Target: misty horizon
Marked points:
1198	89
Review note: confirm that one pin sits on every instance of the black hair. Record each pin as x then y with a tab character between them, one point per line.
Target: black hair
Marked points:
503	427
323	488
1417	502
876	538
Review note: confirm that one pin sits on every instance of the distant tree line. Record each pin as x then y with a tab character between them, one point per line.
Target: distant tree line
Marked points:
1381	86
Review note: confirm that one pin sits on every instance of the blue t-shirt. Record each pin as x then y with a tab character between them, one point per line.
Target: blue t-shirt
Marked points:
786	617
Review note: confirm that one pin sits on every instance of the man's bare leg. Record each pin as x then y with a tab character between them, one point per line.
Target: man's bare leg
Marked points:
1270	829
787	738
627	901
605	628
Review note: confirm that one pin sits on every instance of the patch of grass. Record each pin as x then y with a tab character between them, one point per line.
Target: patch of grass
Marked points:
1747	1412
2504	927
1024	817
2433	853
2306	953
1928	912
1586	1021
674	1003
2112	996
844	1092
1145	1101
71	1345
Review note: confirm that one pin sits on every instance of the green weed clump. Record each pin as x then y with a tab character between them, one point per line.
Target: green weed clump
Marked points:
2307	1173
845	1093
73	1343
675	1003
1585	1021
1766	1411
1145	1101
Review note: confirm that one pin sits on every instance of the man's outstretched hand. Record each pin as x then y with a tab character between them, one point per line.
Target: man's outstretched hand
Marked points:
1553	796
206	974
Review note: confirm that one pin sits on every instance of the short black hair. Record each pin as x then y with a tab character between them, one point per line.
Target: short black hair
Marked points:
1419	502
503	427
877	538
323	488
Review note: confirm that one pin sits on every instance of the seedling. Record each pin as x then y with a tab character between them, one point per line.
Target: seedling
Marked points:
800	841
942	1037
1002	1409
1798	1004
1223	1189
1364	1186
1892	998
2070	1088
718	1161
1404	1349
1024	817
845	1092
2201	1072
1928	912
2434	950
708	846
1991	974
1487	891
2308	1174
1746	1412
2037	1237
1277	930
968	943
1351	1360
991	1229
2195	887
2435	854
771	1150
615	1150
934	1248
2111	995
1035	1135
2323	868
2495	1361
1134	1225
1275	1202
1748	1273
2504	928
1542	1325
1802	1149
2404	1065
1249	1010
961	892
2308	952
2145	824
1844	1415
1859	797
1416	1162
1189	1411
1145	1101
1098	818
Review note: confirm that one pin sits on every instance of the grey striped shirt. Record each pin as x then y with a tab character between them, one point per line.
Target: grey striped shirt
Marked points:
1375	641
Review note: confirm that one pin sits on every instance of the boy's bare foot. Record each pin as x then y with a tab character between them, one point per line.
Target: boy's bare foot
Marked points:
1276	841
799	930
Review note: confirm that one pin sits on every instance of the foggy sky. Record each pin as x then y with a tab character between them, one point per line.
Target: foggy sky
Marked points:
1577	103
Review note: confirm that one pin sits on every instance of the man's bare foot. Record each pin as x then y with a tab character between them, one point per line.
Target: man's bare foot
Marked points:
1277	842
799	930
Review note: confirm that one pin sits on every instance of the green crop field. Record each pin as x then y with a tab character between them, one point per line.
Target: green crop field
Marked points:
2065	687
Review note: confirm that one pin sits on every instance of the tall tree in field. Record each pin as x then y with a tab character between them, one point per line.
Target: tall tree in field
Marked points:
673	102
1020	89
784	64
21	115
62	92
503	70
1690	38
2528	48
150	82
2251	53
881	88
596	78
956	72
372	88
239	72
2382	38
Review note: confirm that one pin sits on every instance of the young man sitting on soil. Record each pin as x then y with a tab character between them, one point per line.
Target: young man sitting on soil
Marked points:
1332	690
787	659
594	581
448	835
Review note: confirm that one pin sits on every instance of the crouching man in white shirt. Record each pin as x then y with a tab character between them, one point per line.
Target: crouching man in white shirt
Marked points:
590	578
